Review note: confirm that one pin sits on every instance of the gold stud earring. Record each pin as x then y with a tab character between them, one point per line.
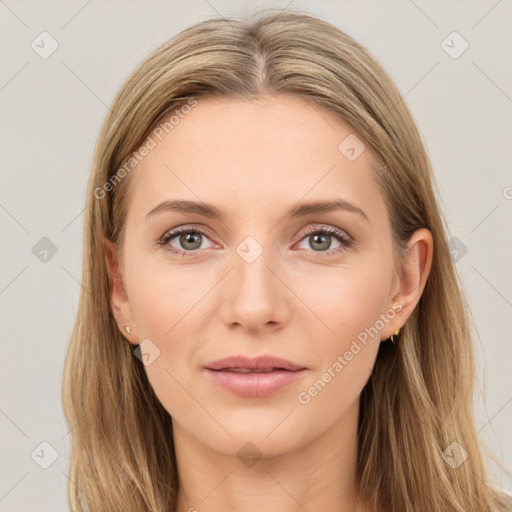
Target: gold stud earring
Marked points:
394	334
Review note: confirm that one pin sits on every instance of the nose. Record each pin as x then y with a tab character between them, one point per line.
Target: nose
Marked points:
256	298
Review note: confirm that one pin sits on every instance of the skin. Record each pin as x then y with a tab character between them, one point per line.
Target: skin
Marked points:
255	160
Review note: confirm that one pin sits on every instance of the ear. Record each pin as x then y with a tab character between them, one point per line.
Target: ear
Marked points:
415	271
118	298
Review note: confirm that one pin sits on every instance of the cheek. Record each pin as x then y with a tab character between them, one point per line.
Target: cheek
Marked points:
348	320
345	301
165	300
162	300
161	293
346	352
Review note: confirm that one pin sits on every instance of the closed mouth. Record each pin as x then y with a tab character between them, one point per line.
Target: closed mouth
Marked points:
252	370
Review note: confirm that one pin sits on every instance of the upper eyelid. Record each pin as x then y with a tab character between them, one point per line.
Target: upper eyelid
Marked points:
327	228
185	228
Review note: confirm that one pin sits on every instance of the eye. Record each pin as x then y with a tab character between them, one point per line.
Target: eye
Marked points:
321	239
190	240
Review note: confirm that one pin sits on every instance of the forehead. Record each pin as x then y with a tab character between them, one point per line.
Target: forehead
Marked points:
273	151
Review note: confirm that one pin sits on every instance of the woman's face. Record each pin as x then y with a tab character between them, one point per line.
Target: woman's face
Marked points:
257	280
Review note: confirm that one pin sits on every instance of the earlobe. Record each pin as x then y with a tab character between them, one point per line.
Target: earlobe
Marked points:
415	271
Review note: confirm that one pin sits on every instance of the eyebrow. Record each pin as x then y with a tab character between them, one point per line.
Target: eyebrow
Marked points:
300	210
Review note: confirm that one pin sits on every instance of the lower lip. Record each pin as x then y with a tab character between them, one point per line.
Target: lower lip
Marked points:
254	384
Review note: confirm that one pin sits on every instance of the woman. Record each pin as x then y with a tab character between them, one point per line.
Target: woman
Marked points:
271	317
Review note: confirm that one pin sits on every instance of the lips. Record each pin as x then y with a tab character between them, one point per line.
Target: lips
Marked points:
254	377
244	363
248	370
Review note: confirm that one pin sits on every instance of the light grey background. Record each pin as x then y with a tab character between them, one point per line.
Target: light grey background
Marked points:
51	110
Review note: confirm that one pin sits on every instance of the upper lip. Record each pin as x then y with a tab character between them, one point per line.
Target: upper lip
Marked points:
253	363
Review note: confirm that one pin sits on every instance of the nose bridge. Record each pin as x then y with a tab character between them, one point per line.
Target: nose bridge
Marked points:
252	274
256	296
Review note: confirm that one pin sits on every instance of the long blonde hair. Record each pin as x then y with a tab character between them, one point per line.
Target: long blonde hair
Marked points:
417	402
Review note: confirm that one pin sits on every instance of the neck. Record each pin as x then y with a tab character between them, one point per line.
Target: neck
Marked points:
317	476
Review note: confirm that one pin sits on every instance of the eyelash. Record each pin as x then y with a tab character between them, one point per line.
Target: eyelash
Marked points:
345	240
